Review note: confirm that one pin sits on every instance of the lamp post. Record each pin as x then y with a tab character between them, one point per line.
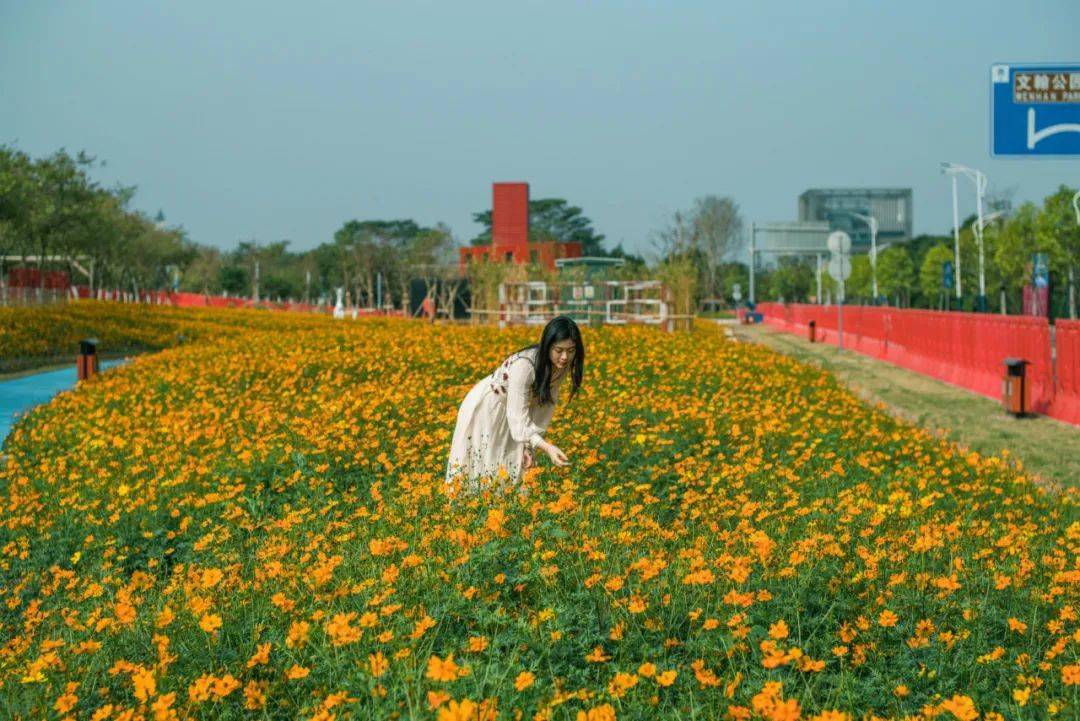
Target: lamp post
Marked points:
979	228
1072	278
979	178
872	222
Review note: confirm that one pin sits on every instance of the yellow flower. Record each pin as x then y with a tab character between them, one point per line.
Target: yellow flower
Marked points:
524	680
666	678
436	699
211	577
604	712
261	656
145	685
1017	625
597	655
962	707
464	710
887	618
779	630
298	633
647	670
210	622
443	669
340	630
164	618
296	672
66	702
378	664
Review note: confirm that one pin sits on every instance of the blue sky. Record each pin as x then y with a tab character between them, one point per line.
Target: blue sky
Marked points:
282	120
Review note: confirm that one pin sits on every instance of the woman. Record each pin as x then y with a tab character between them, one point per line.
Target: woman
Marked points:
500	422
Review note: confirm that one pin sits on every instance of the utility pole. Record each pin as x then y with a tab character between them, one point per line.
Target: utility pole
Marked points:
956	236
872	222
979	178
753	257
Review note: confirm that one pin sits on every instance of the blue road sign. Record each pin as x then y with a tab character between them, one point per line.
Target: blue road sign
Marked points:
947	274
1035	110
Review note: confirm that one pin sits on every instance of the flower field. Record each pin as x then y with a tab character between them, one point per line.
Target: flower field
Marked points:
253	525
31	336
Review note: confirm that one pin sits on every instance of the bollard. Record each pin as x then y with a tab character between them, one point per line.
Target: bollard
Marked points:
87	363
811	327
1015	394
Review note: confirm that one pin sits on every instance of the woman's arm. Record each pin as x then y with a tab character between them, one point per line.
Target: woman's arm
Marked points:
542	412
522	427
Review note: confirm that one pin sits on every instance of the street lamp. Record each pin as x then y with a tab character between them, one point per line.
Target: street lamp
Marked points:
1076	206
979	179
872	222
980	226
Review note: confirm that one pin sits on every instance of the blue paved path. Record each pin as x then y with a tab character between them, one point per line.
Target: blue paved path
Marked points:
21	394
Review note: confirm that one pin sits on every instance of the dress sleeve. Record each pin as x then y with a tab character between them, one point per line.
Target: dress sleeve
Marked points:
522	427
542	412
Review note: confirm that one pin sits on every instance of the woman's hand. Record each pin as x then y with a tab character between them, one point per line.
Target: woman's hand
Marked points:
528	460
557	457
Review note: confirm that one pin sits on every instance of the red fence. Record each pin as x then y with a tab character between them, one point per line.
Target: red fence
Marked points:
32	278
964	349
1066	403
189	300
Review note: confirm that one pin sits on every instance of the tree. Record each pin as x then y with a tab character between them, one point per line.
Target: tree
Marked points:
715	229
859	285
791	280
1057	226
896	275
732	274
1018	241
931	274
551	219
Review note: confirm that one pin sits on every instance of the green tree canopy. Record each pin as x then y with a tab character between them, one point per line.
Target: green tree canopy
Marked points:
931	273
896	274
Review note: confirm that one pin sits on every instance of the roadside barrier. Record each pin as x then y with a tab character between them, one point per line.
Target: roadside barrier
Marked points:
964	349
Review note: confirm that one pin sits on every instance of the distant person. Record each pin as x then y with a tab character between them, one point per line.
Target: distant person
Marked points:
500	422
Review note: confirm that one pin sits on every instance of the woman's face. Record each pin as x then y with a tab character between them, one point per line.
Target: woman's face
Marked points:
562	353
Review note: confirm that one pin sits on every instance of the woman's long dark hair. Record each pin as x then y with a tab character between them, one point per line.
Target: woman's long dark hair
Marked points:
559	328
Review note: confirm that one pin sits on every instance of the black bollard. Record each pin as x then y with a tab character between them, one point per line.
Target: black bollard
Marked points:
87	364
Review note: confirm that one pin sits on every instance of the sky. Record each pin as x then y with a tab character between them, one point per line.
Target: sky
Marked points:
274	121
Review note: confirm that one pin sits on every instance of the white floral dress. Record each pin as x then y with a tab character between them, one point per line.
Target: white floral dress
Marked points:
497	418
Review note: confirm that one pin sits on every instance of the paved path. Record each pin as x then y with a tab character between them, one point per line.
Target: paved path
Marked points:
21	393
1048	448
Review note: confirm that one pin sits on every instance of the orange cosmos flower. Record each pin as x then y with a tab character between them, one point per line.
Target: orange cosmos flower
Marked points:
443	669
378	664
210	622
597	655
524	680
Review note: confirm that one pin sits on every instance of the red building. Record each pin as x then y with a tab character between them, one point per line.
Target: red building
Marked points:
510	233
32	278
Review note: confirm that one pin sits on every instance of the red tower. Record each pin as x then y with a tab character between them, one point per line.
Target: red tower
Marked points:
510	233
510	221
